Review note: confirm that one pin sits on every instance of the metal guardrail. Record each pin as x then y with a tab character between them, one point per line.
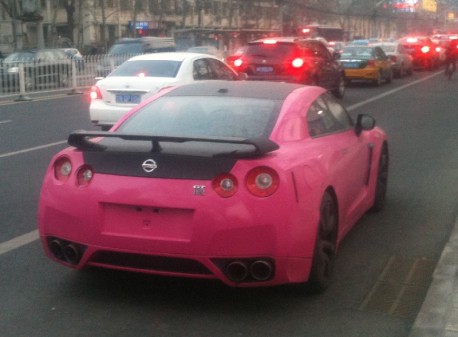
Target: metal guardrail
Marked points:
20	80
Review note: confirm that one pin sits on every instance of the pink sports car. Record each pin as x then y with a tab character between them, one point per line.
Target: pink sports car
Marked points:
252	183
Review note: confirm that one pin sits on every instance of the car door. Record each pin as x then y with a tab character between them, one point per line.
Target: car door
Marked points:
345	156
382	61
326	67
221	71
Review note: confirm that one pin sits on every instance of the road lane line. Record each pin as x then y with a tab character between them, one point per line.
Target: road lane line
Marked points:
389	92
10	154
6	121
18	241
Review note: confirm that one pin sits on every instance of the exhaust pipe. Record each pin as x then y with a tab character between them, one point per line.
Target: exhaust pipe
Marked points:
261	270
237	271
72	253
57	249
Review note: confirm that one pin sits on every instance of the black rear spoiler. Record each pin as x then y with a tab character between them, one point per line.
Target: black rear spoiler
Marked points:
81	140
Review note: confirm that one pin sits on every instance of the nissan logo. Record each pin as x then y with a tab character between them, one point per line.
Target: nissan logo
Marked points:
149	165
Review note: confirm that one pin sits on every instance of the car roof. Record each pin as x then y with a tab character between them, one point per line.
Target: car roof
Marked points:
248	89
171	56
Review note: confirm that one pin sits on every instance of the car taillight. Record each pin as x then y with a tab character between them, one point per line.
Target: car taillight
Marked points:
62	169
425	49
438	49
225	185
238	63
297	62
84	175
262	181
371	63
95	93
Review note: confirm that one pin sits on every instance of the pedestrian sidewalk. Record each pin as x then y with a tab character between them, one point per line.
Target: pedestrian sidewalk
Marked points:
438	316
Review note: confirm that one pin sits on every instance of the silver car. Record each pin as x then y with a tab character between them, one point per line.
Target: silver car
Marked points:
401	61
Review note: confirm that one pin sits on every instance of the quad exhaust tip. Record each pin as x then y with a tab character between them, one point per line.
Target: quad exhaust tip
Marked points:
246	271
65	251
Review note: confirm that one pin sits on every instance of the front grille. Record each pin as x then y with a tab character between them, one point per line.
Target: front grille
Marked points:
150	263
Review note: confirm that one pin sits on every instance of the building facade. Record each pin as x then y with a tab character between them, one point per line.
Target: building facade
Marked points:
93	25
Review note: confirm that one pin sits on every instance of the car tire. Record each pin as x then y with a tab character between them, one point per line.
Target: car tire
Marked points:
379	80
389	78
64	79
29	83
339	91
381	183
325	246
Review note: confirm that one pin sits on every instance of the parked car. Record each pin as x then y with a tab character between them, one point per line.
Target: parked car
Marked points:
296	60
253	183
74	54
143	76
401	61
43	68
125	48
367	63
425	53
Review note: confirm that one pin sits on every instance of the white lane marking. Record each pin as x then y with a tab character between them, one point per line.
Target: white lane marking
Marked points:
18	241
27	238
389	92
10	154
6	121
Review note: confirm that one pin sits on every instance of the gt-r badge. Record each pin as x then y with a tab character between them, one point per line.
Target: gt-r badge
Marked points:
199	189
149	165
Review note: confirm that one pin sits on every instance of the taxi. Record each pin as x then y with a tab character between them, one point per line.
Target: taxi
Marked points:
367	63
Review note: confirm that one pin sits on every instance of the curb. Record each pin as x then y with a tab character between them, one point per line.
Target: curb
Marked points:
438	316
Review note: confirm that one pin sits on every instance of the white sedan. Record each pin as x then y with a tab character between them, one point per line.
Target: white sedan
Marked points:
143	76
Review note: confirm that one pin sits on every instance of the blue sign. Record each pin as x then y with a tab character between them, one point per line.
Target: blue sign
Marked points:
139	24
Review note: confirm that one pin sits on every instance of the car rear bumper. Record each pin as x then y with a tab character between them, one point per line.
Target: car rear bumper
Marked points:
195	237
362	74
103	114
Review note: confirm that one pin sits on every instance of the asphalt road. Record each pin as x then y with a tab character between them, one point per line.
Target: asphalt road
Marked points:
383	267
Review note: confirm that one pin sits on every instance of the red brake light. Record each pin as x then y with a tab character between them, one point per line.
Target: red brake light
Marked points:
270	41
84	175
62	169
297	63
425	49
371	63
95	93
238	63
262	181
225	185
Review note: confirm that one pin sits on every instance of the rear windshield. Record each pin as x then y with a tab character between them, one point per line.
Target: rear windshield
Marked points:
205	116
148	68
358	52
277	50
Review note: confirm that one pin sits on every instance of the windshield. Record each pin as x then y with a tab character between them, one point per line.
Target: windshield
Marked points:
148	68
21	57
388	49
275	50
126	48
204	116
357	52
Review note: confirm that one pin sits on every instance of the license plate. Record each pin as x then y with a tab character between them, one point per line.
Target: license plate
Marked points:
128	99
351	65
264	69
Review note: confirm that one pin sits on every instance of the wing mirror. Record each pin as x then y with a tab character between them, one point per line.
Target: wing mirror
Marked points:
364	123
